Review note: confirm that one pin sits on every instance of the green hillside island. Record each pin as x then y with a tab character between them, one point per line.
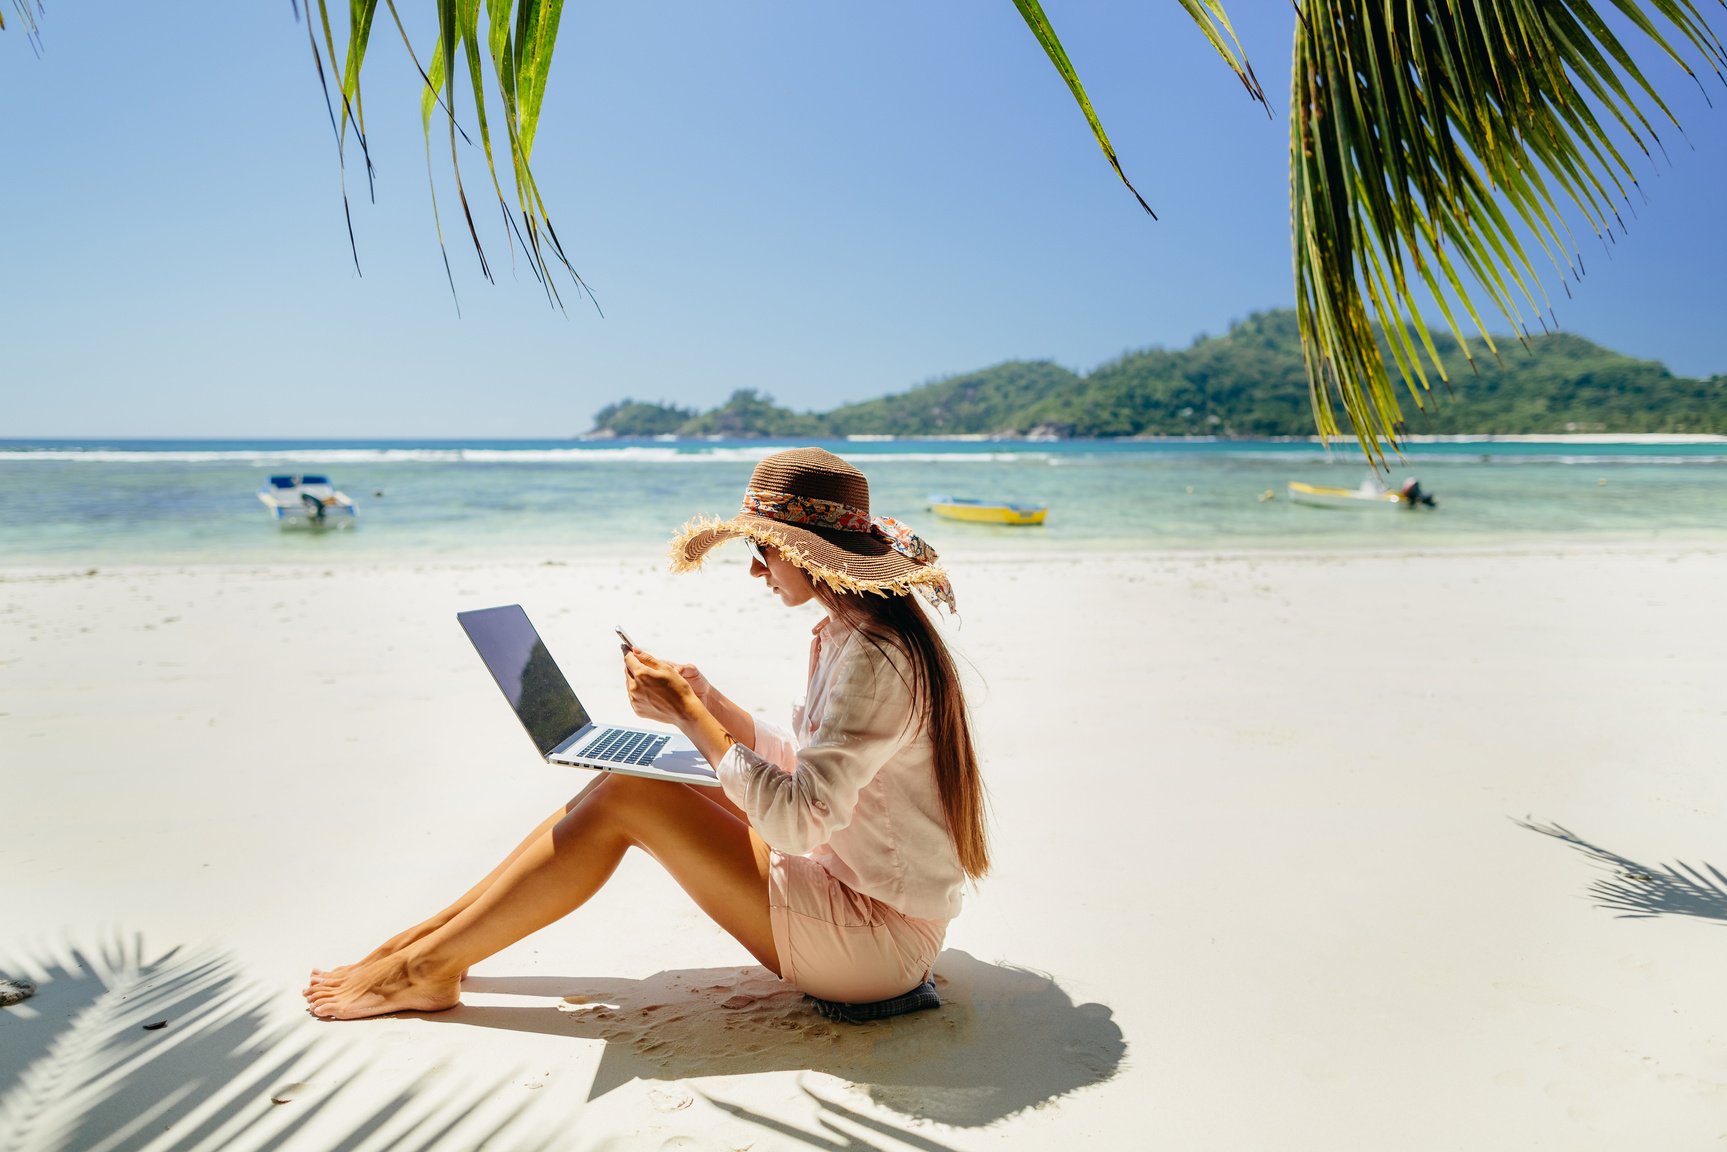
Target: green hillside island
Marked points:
1248	383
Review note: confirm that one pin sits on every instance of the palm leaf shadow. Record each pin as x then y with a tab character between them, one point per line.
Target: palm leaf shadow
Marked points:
1642	891
842	1129
122	1051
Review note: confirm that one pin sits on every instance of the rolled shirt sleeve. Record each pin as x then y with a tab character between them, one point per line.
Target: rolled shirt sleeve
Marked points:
865	719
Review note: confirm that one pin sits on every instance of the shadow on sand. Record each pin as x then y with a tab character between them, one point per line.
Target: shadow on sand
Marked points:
181	1052
1005	1039
118	1051
1640	891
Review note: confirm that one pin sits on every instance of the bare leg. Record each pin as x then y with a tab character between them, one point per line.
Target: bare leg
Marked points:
425	927
716	857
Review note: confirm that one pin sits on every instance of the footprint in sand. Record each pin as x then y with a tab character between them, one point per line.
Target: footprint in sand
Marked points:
670	1101
585	1004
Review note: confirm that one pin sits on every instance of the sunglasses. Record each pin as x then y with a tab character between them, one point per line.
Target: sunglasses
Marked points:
755	551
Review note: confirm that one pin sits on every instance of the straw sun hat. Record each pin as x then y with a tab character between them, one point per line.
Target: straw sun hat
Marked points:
814	508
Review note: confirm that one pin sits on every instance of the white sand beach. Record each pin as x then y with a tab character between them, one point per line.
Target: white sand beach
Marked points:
1345	851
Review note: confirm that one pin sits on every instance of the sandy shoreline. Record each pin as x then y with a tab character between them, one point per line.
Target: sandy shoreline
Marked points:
1272	870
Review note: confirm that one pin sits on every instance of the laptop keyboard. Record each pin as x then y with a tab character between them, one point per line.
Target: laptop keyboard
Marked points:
621	746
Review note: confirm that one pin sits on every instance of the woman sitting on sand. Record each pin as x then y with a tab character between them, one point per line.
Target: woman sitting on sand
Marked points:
836	853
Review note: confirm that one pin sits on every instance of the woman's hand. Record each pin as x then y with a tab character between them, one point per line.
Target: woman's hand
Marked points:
658	690
651	695
697	682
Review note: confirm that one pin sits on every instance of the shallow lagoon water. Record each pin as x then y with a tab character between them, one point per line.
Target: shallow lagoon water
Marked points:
66	503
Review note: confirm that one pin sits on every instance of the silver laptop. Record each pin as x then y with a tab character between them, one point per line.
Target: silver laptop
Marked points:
556	721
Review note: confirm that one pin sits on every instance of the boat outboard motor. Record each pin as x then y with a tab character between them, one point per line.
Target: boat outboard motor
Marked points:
314	506
1412	494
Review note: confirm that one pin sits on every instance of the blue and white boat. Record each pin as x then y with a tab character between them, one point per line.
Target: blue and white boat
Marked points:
307	501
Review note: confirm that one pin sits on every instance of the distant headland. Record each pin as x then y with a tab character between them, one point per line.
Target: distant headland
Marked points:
1248	383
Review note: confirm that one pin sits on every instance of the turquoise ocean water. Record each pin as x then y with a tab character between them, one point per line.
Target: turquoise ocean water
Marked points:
84	503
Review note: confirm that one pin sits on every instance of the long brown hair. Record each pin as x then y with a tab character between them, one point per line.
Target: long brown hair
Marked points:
901	622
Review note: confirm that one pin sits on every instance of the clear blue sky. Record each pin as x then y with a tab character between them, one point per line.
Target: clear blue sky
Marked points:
787	195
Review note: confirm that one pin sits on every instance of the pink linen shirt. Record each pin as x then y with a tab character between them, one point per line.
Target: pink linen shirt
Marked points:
852	786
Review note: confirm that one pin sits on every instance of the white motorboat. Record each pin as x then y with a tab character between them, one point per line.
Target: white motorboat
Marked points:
1372	493
307	501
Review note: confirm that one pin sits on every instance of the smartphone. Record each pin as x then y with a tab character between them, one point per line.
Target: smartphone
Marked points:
622	635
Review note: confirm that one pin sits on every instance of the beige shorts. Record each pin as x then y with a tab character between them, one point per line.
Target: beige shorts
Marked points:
837	944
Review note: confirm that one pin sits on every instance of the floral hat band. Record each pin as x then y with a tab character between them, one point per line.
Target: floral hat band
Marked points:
812	512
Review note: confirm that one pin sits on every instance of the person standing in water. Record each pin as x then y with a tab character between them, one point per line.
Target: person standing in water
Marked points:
835	852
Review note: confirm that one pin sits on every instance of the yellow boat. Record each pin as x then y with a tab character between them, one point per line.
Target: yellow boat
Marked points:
987	511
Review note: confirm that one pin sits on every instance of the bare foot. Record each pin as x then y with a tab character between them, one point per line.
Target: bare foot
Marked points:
326	975
379	987
388	948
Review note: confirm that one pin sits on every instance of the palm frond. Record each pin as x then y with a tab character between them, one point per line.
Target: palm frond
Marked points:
517	38
32	32
1212	21
1434	144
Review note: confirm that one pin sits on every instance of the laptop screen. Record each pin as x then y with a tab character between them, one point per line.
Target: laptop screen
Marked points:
532	683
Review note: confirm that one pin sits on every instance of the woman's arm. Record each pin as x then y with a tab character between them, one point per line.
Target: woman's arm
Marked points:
734	719
764	738
866	719
659	692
